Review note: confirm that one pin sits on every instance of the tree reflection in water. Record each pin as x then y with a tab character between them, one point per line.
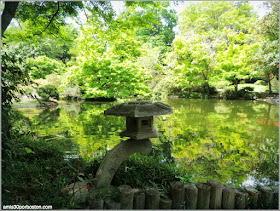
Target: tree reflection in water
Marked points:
230	141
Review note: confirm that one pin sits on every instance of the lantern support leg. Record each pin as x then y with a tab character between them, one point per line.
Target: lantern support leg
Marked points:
116	156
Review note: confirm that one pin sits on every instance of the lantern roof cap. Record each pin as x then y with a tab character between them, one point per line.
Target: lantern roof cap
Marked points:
139	108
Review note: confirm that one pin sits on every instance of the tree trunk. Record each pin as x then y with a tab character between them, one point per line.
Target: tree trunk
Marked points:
269	85
8	14
236	86
207	87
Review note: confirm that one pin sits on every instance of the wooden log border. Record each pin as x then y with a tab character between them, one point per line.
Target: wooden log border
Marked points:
192	196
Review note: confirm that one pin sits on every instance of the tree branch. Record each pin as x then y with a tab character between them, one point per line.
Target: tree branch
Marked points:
85	14
19	24
8	14
57	11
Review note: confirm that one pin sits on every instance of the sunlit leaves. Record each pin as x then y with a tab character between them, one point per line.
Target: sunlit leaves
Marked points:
105	66
43	66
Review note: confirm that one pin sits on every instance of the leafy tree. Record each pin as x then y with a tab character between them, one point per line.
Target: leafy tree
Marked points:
153	23
52	47
211	44
47	92
234	62
106	65
43	66
158	28
267	57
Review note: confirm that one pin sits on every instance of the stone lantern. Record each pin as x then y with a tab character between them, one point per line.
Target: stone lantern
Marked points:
139	117
139	127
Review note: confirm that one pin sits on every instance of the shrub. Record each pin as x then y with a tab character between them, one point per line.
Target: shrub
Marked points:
229	93
141	171
260	82
33	172
47	92
144	171
244	93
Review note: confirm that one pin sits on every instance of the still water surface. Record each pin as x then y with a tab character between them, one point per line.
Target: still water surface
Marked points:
230	141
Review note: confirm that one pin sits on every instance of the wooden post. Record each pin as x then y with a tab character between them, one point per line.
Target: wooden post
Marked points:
152	198
266	197
139	200
216	194
165	202
203	196
110	204
126	197
228	200
253	197
241	199
276	196
177	192
191	193
94	201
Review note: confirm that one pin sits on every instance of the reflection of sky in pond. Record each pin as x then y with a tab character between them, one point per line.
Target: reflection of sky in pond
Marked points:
230	141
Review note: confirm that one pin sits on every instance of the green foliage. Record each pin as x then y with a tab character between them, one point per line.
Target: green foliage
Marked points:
43	66
267	58
156	23
144	171
244	93
211	49
52	47
47	92
42	18
34	172
53	79
14	74
72	93
106	66
260	82
269	24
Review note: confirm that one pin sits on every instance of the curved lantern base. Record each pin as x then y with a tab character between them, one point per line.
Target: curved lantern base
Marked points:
116	156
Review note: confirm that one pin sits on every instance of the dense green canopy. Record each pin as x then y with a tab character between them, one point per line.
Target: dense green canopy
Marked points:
52	50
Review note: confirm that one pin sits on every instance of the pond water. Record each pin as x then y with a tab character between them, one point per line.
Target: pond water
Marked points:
230	141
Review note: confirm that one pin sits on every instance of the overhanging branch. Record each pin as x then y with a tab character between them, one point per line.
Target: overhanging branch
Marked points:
55	14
